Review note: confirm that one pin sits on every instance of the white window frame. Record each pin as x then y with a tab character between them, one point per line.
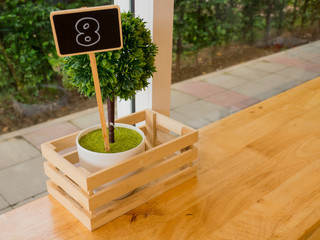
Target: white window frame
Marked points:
143	99
158	14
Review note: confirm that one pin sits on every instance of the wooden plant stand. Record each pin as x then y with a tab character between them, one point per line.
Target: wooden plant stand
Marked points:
169	160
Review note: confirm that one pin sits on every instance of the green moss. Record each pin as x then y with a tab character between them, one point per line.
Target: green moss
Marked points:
125	139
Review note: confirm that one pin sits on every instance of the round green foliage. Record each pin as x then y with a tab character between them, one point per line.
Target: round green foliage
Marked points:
126	139
121	72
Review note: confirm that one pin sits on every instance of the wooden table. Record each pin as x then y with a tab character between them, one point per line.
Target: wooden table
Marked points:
259	178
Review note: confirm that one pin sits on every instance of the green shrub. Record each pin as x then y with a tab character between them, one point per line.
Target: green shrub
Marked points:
26	45
71	4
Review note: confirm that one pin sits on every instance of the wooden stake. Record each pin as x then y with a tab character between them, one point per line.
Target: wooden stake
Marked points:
99	100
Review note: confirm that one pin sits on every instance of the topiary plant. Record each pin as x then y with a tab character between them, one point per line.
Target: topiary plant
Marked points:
121	72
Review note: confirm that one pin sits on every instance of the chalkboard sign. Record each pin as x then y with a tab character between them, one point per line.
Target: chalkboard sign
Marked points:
87	30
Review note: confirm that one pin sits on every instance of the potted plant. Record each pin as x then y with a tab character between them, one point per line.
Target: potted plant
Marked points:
121	73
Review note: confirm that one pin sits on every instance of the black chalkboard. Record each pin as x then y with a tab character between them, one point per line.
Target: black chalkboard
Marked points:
87	30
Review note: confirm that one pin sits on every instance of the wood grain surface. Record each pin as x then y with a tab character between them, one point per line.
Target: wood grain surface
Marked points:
259	178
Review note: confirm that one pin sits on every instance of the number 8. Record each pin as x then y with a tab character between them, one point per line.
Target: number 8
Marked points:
87	28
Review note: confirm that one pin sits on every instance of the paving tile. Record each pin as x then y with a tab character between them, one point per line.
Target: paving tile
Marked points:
316	60
309	55
307	65
304	53
226	81
247	73
292	84
202	109
195	123
285	60
273	80
3	203
45	134
257	90
313	68
221	113
297	74
297	63
289	85
178	99
266	66
310	66
5	210
30	199
16	150
23	181
269	93
88	120
315	44
200	89
309	48
232	100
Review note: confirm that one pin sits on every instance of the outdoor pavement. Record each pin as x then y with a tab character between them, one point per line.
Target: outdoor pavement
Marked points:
195	102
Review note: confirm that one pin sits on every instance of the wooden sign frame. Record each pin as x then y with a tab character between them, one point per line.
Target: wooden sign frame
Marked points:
84	10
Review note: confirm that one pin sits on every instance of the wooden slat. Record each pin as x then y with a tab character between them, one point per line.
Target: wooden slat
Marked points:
143	129
69	204
133	118
169	123
67	185
122	206
151	131
72	157
163	137
101	177
139	179
65	142
58	161
185	131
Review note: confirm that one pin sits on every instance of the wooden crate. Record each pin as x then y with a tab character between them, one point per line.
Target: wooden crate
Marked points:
170	159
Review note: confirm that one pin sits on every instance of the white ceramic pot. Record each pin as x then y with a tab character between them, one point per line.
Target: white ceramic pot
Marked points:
93	161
